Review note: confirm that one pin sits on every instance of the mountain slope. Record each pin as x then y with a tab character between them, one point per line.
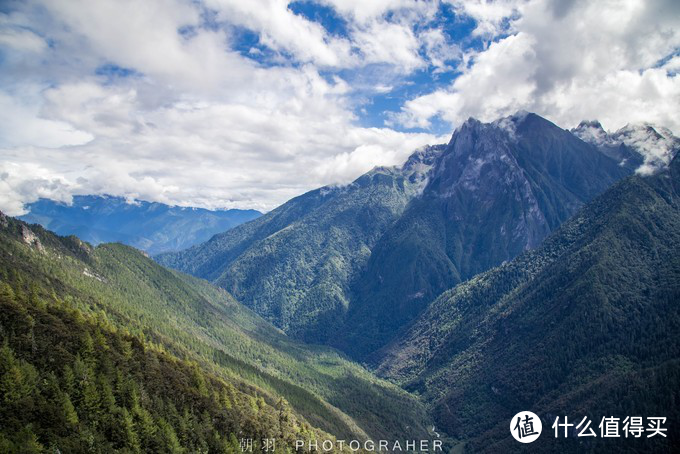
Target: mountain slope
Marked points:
152	227
193	320
497	190
294	264
72	383
586	324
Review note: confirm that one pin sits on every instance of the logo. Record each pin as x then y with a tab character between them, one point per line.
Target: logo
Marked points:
525	426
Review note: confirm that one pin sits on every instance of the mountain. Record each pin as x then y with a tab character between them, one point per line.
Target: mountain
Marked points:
584	325
641	147
350	266
294	265
113	288
150	226
497	190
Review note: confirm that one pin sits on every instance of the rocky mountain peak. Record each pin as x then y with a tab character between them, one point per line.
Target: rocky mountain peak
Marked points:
643	147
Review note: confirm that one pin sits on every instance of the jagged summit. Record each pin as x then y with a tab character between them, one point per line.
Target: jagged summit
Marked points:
496	190
642	147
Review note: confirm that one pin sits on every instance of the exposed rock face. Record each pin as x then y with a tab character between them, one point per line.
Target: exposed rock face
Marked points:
352	265
31	238
496	190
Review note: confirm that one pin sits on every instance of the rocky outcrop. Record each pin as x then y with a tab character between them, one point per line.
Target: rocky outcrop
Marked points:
30	238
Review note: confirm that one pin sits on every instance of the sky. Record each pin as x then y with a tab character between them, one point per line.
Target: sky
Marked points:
245	104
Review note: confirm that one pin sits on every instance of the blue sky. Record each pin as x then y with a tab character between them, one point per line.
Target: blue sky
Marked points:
225	103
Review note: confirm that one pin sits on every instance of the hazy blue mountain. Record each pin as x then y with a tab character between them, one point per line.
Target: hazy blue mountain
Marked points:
497	190
294	264
584	325
150	226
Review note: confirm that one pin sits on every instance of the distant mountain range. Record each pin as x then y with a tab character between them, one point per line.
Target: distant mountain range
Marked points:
642	147
150	226
351	266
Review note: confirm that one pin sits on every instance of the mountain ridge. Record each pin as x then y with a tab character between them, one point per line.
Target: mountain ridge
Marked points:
321	237
351	266
498	189
151	226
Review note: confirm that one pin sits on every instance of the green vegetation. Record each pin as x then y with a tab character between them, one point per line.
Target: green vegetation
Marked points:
294	266
351	267
586	324
191	320
74	383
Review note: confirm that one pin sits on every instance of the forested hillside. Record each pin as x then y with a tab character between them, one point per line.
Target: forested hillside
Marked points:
352	266
585	325
295	264
73	383
197	322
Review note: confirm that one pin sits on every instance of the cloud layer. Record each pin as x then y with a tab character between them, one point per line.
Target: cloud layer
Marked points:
224	103
613	60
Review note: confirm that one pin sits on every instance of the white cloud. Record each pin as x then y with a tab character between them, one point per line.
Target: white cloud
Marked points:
19	39
21	125
489	15
195	152
499	82
282	30
362	11
567	61
196	123
439	50
385	42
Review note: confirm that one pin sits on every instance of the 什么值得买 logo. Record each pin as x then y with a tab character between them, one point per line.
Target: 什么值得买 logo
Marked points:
525	426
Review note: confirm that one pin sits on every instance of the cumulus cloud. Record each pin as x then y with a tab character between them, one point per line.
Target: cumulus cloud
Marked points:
490	15
280	29
567	61
144	100
197	152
